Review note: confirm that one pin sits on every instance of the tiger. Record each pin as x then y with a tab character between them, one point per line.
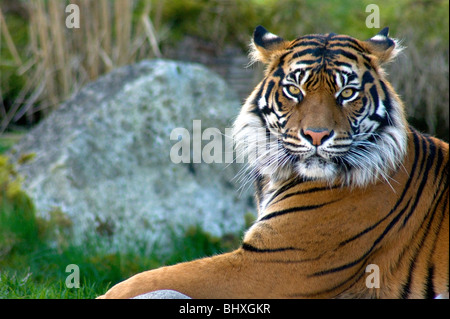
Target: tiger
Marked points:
353	202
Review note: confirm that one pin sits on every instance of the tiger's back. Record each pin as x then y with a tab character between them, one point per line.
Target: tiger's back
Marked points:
352	201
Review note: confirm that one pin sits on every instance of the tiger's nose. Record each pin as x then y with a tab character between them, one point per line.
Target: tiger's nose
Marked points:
316	136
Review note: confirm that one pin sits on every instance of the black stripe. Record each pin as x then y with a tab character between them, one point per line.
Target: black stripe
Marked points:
374	116
367	78
291	184
291	136
429	286
376	101
443	195
406	289
278	104
429	292
345	38
298	42
293	210
308	62
339	146
317	52
345	46
431	153
279	73
312	42
351	77
344	53
328	290
387	98
440	159
259	94
339	63
283	57
256	110
291	144
310	36
330	80
308	191
251	248
268	90
312	83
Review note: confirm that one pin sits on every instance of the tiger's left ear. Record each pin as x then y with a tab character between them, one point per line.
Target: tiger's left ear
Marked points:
382	46
265	46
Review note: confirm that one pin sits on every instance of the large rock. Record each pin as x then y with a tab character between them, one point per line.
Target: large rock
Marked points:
103	157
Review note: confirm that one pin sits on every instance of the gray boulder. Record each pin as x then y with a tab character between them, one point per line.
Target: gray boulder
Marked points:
163	294
103	158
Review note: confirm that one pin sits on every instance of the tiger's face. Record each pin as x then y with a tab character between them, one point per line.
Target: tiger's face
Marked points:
323	111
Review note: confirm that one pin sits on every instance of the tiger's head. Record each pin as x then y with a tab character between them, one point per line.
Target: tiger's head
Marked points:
324	110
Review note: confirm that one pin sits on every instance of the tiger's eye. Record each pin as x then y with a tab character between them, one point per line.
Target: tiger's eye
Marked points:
347	93
293	90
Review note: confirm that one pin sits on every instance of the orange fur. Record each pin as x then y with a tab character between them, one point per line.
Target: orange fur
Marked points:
315	238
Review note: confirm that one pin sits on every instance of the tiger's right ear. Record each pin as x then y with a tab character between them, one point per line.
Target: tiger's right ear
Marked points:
265	46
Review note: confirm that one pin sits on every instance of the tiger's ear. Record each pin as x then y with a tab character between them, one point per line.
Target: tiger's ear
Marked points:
265	45
382	46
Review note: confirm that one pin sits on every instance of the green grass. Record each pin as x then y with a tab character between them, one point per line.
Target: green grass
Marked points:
21	285
40	272
33	268
34	252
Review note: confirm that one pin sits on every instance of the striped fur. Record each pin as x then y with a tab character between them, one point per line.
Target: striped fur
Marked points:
342	183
